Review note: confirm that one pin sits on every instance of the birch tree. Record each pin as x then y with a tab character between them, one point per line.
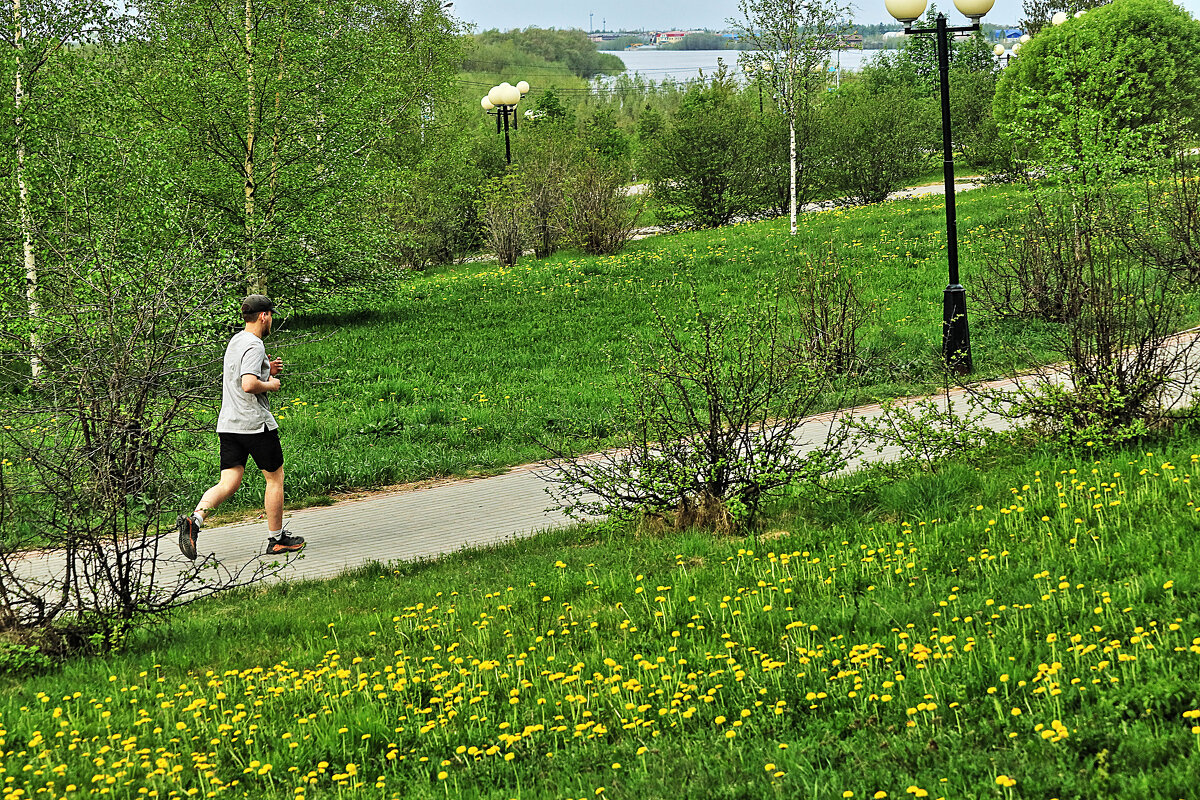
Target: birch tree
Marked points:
279	113
794	39
37	33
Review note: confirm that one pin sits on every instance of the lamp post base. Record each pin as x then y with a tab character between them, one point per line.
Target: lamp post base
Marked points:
956	338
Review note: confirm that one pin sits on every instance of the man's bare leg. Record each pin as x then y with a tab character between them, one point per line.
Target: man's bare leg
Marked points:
273	500
231	479
278	542
189	525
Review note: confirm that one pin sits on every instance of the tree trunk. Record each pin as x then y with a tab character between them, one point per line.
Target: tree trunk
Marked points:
255	281
274	181
792	192
24	203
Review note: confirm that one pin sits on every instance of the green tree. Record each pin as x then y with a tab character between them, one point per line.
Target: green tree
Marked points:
1105	92
795	37
881	140
919	54
601	134
550	107
699	164
1039	12
570	47
278	113
37	35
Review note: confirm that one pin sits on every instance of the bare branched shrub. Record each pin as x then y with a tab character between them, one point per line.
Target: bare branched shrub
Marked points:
600	216
503	210
831	316
713	411
1171	235
926	433
91	454
1125	369
1042	274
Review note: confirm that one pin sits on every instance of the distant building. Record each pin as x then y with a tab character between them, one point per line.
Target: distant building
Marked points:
1008	33
669	37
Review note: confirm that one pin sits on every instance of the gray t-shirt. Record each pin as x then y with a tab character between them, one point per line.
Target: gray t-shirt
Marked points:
242	412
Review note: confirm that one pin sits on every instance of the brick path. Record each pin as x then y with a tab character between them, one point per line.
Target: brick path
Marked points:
433	520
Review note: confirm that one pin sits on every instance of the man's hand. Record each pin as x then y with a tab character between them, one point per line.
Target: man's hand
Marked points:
276	365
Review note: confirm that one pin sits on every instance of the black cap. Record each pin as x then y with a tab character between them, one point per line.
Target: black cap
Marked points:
256	304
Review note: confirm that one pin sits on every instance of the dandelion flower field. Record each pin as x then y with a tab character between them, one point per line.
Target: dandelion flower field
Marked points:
1039	637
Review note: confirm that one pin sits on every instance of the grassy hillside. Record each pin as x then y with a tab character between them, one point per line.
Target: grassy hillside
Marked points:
1023	626
462	371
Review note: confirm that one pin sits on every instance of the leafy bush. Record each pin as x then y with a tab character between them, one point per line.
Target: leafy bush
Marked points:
978	138
701	164
1098	94
22	659
432	208
502	207
880	139
547	155
601	134
600	216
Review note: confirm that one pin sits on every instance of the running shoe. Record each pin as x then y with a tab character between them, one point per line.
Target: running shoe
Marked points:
284	543
188	532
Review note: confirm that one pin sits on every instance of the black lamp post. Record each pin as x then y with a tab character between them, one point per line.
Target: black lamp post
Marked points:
502	102
956	337
759	72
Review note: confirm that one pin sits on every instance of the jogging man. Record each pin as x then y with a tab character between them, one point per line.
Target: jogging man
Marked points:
246	428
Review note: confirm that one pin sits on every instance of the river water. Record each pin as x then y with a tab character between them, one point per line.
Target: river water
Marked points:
684	65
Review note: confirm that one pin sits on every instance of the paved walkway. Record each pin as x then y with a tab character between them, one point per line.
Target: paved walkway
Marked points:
440	519
433	520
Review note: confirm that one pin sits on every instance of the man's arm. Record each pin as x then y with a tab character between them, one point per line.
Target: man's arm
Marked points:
252	384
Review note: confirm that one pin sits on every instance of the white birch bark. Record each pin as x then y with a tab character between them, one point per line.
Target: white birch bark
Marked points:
792	193
24	201
254	279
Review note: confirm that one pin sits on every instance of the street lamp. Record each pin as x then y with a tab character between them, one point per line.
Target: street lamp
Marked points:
763	68
1011	53
502	102
956	337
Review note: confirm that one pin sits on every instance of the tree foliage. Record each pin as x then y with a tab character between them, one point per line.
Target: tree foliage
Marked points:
1103	92
702	165
276	112
919	54
571	47
794	37
1039	12
880	140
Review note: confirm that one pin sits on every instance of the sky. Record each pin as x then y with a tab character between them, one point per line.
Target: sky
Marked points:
675	14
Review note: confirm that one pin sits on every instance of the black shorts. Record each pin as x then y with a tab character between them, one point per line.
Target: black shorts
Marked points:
263	447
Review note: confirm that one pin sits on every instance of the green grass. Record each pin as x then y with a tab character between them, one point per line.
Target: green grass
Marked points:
1026	618
461	371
